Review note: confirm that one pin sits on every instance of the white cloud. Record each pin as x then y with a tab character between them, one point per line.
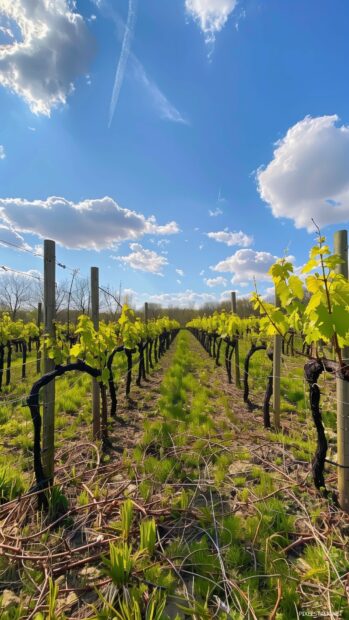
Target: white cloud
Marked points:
269	293
30	274
180	272
246	264
6	33
213	282
161	243
2	152
90	224
9	237
183	299
231	238
142	259
55	47
215	212
211	15
39	250
166	110
309	174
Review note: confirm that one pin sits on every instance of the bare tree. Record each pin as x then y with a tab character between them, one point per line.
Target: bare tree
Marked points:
15	293
81	295
110	301
127	298
61	294
37	294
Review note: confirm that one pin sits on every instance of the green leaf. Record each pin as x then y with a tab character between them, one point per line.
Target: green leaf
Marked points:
296	286
309	266
341	322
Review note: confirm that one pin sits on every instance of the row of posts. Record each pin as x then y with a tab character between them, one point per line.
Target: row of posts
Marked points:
340	248
48	445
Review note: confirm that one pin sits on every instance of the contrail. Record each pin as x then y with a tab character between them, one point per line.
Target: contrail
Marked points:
125	51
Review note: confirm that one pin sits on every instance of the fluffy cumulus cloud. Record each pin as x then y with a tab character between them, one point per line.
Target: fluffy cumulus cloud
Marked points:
213	282
211	15
2	152
246	264
90	224
308	176
53	49
142	259
231	238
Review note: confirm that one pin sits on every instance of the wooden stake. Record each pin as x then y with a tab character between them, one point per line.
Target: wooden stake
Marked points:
48	435
146	311
276	374
96	403
236	350
341	248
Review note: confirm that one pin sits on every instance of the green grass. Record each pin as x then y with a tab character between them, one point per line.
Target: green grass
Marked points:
189	529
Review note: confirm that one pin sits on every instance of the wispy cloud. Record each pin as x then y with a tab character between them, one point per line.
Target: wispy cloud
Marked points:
215	212
160	102
124	55
164	107
2	152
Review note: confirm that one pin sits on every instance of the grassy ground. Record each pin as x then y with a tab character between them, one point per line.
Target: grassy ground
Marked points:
195	512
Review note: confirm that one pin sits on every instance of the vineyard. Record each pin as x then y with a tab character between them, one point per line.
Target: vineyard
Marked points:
164	471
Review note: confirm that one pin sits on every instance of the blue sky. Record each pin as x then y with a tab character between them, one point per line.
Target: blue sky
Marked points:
227	132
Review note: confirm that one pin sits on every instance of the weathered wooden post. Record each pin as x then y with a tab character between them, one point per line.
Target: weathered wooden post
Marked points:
341	248
277	373
96	406
236	350
146	317
48	433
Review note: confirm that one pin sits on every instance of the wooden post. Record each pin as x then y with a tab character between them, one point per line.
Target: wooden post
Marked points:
147	346
341	248
96	406
236	351
276	374
38	322
48	435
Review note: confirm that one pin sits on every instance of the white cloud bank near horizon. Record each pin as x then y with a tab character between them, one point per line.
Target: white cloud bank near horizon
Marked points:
308	176
183	299
94	224
55	48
